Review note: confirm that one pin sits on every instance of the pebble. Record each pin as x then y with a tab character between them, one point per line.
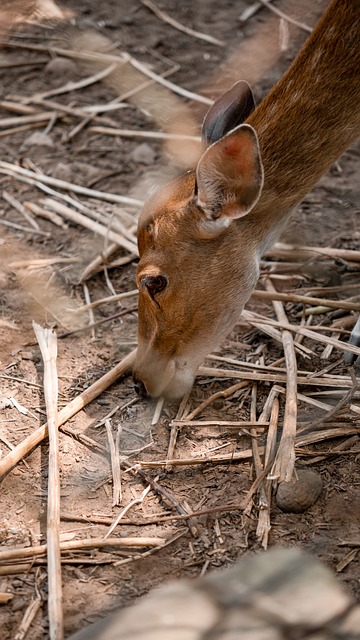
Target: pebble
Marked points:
143	154
38	139
301	493
61	66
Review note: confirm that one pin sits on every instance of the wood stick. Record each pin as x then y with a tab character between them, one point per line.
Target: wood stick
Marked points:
13	170
149	135
308	333
108	299
234	424
285	458
78	545
19	227
301	441
96	227
284	16
169	85
48	347
28	617
294	252
112	224
264	524
120	58
20	208
47	215
132	503
182	413
292	297
78	403
219	394
177	25
27	119
250	11
334	381
23	127
115	465
80	84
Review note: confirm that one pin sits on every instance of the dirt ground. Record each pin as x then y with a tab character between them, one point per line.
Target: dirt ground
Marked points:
98	581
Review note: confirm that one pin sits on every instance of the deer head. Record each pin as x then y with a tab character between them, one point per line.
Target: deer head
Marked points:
193	282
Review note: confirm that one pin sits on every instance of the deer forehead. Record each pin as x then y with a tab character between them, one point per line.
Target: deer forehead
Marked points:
166	214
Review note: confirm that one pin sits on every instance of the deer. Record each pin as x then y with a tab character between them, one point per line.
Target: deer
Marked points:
202	235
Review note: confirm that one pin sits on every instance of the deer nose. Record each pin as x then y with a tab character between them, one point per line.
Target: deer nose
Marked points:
140	388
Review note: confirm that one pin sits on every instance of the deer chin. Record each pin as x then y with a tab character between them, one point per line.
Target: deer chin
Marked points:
170	379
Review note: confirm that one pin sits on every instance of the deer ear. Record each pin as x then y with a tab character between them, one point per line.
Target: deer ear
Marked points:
229	178
230	110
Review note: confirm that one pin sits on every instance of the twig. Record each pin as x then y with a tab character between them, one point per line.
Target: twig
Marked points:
89	327
264	525
250	11
294	252
329	407
115	466
95	264
78	545
18	172
334	381
292	297
148	135
177	25
169	85
181	413
234	456
78	403
285	458
219	394
164	493
150	552
325	434
48	347
121	58
24	127
283	15
19	227
47	215
74	86
124	511
20	208
96	227
23	63
157	412
16	107
76	112
248	365
112	222
108	299
308	333
90	311
27	119
331	412
257	464
28	617
233	424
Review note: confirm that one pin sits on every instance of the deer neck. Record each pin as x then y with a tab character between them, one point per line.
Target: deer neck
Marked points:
310	117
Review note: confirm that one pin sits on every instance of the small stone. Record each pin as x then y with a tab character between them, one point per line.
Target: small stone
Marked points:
61	66
38	139
143	154
301	493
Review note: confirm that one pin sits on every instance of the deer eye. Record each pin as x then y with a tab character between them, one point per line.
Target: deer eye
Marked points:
154	284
